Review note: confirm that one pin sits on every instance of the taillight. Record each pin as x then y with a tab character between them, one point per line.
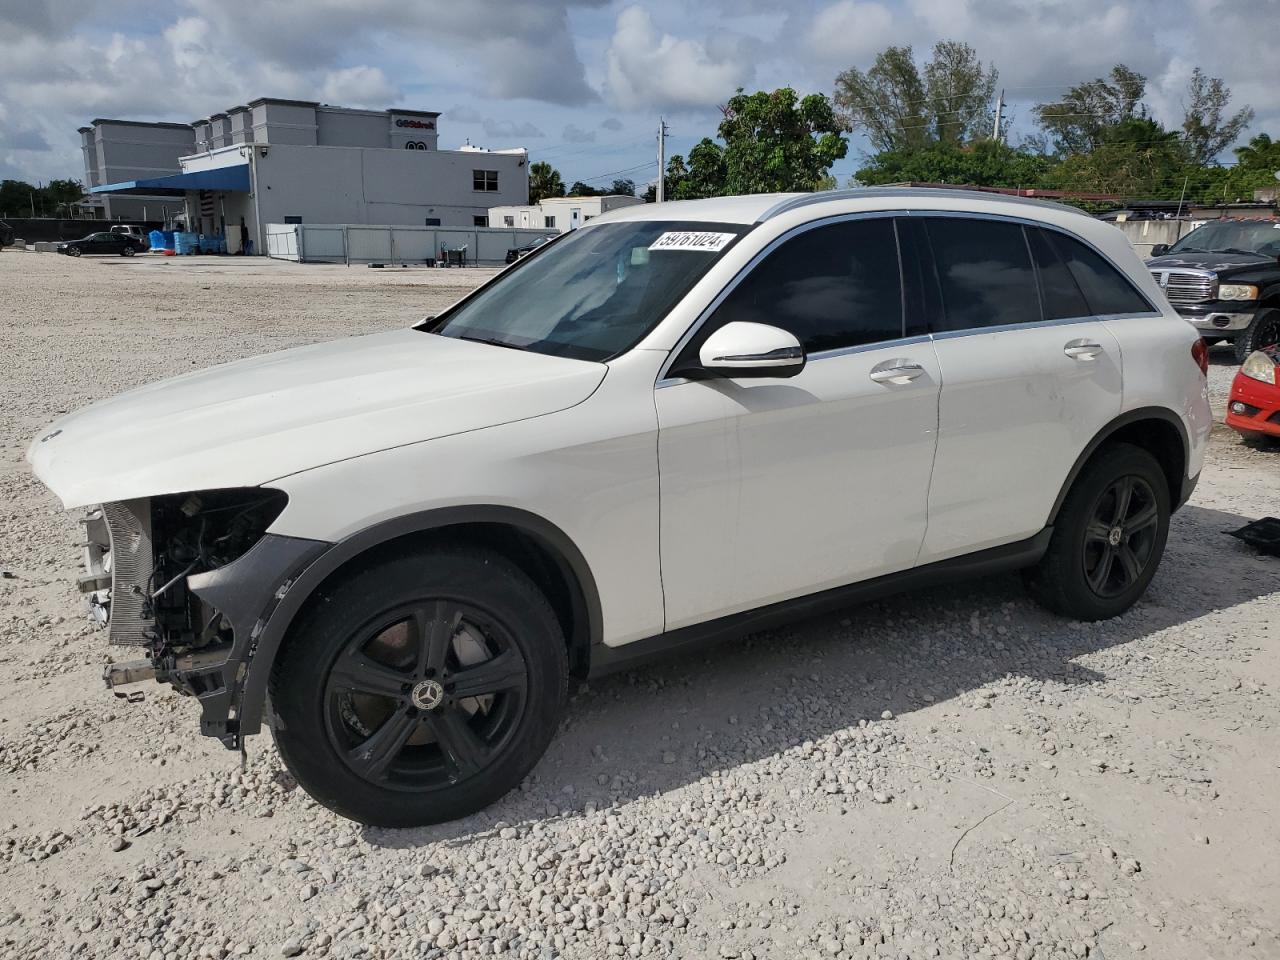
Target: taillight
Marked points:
1200	354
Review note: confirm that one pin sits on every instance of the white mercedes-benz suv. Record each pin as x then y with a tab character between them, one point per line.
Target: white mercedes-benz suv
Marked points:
681	421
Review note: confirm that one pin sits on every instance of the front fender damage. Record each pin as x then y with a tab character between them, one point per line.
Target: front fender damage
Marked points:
246	593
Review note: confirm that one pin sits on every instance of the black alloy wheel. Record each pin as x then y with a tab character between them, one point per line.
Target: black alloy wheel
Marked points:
128	252
425	697
1121	537
73	251
1263	331
419	686
1108	537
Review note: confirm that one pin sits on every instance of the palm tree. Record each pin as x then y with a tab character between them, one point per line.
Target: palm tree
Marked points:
544	181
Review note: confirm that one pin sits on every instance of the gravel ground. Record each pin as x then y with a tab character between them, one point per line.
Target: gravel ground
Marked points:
954	774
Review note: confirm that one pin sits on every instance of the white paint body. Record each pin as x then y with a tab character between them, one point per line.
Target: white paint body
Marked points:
688	500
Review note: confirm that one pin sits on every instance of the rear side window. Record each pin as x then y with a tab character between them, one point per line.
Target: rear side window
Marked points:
984	269
1060	293
833	286
1105	288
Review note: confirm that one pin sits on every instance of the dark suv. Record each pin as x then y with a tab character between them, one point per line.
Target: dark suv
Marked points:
1224	277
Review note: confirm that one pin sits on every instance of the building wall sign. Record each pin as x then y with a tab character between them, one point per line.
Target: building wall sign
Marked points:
416	124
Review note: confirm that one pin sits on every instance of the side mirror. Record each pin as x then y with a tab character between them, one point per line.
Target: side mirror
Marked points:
742	349
1159	249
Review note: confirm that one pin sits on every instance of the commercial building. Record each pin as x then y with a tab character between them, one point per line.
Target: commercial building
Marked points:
291	161
558	213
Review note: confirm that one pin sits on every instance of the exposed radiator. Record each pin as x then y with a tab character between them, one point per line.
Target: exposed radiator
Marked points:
132	564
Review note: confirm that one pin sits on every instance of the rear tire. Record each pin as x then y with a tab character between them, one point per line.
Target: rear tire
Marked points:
1108	538
128	252
421	688
1262	332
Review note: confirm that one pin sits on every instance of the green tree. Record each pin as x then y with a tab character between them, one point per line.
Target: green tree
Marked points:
899	107
544	181
1080	121
985	163
623	188
582	189
1206	127
773	141
16	198
1256	166
1134	158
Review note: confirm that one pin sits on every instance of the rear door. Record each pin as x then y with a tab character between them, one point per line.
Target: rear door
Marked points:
1029	377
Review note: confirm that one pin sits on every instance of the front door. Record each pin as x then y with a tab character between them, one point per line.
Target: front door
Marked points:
776	488
1029	379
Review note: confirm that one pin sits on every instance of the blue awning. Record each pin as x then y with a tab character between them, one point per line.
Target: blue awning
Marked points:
232	179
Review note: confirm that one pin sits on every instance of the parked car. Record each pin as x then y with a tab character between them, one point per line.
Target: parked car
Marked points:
120	243
515	253
1253	410
1225	278
132	230
6	234
680	422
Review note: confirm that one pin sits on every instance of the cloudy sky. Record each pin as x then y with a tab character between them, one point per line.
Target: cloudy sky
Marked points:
581	84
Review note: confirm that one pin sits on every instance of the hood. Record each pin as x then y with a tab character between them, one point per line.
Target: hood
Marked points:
253	421
1219	263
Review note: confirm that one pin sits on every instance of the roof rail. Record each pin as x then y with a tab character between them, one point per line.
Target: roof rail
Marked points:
890	193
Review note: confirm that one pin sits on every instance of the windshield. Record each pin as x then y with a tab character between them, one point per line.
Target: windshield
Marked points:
1233	236
593	293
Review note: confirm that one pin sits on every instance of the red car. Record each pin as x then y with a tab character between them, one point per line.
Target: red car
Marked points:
1254	407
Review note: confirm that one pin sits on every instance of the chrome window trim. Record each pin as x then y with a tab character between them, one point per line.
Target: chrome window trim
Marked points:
1025	222
664	380
1010	327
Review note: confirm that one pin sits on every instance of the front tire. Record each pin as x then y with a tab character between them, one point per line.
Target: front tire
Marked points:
421	688
1262	332
1108	538
73	252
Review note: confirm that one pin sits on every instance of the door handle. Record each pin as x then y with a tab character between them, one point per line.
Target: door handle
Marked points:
1082	350
896	371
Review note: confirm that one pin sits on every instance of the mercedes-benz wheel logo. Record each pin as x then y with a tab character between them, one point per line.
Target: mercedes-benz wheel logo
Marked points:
427	695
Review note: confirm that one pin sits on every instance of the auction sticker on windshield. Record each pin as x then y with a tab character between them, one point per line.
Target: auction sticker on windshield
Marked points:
692	240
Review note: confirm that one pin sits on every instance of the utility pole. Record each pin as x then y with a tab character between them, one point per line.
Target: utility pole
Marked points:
999	113
662	160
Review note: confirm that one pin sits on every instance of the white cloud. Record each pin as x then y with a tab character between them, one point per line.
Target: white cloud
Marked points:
575	134
361	86
647	68
851	30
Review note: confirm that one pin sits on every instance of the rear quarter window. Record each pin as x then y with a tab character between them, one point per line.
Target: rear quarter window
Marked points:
1106	289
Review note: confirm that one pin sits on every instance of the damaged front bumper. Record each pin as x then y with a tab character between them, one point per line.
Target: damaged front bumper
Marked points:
120	583
247	593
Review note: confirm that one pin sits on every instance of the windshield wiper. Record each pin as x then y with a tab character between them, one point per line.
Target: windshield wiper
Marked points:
493	342
1247	253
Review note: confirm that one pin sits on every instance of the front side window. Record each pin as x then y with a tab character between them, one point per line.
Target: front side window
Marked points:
1105	288
593	293
833	286
485	181
984	269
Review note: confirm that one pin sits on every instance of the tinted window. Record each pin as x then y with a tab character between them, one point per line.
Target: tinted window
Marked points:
985	272
1104	287
1059	292
833	286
